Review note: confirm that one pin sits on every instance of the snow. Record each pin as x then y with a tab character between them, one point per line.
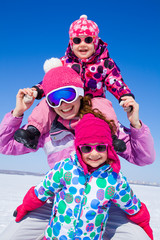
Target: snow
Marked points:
13	188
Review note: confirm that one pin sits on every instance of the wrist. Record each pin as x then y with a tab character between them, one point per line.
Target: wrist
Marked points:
136	125
16	113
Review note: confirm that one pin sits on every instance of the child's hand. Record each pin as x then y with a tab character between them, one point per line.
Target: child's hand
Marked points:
133	116
21	105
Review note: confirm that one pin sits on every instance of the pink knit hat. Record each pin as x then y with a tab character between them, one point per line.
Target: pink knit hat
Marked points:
84	27
91	129
61	77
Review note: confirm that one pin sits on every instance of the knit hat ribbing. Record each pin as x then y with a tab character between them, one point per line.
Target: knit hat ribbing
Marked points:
60	77
92	129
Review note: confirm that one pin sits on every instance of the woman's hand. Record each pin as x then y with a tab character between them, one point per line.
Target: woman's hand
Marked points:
133	116
21	105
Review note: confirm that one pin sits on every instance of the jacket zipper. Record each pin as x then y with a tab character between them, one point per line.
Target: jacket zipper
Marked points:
83	72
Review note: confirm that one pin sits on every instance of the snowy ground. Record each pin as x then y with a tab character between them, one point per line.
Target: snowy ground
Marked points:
13	188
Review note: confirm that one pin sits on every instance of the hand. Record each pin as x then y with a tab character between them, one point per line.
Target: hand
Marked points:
133	116
21	105
27	98
142	218
19	213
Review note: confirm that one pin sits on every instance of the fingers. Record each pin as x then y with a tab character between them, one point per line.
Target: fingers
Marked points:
128	103
29	98
28	94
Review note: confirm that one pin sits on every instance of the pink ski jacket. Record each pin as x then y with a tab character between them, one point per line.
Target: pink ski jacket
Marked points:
97	72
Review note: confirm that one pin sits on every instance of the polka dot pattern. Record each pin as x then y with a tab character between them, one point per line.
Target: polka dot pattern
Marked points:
82	201
97	72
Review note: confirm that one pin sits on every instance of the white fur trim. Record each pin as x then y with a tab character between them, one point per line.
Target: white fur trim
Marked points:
51	63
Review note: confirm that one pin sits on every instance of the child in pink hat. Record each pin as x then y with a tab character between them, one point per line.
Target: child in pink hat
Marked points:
88	55
84	185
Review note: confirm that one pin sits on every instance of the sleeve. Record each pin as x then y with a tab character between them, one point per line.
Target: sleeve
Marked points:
140	145
40	91
114	81
8	145
125	198
51	184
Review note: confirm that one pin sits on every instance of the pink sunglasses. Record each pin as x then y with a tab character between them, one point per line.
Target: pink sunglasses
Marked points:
89	148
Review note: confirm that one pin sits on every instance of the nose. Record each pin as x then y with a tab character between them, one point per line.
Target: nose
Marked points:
93	153
63	103
82	42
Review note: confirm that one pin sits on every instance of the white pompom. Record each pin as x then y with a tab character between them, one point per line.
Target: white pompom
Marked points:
83	16
51	63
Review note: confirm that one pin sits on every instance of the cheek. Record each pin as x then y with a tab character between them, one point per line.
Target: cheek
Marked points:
84	156
92	48
74	47
56	110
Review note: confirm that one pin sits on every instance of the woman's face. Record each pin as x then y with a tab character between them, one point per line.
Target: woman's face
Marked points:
69	110
94	158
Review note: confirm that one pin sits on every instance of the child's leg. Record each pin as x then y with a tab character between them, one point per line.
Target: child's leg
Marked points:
119	227
42	117
31	227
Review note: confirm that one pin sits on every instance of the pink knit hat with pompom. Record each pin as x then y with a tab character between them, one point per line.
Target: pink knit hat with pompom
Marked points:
91	129
84	27
60	77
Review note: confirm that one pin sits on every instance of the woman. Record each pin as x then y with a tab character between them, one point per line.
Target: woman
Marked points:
67	110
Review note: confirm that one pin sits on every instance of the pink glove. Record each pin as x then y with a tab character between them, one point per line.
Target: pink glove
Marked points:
30	202
142	218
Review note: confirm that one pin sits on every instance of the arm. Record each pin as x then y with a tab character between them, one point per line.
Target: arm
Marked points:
11	123
37	196
139	141
135	210
114	81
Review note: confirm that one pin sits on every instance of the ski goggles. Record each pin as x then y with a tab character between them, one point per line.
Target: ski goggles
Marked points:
89	148
78	40
66	94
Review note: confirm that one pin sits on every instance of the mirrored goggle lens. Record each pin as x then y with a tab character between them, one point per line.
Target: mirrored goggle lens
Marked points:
78	40
67	94
88	148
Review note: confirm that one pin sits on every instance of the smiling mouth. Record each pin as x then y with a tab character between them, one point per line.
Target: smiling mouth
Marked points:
83	50
94	160
67	110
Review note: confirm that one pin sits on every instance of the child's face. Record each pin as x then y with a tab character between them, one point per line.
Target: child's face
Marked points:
69	110
94	158
83	50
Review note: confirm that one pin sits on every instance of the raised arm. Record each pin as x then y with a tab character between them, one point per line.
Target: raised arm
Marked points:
11	122
139	141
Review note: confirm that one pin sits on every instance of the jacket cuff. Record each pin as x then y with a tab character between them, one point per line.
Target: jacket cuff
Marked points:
40	92
136	133
127	94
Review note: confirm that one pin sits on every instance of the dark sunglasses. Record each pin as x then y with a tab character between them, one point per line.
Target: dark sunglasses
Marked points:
89	148
77	40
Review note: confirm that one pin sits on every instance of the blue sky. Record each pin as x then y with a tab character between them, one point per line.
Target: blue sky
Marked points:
32	31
